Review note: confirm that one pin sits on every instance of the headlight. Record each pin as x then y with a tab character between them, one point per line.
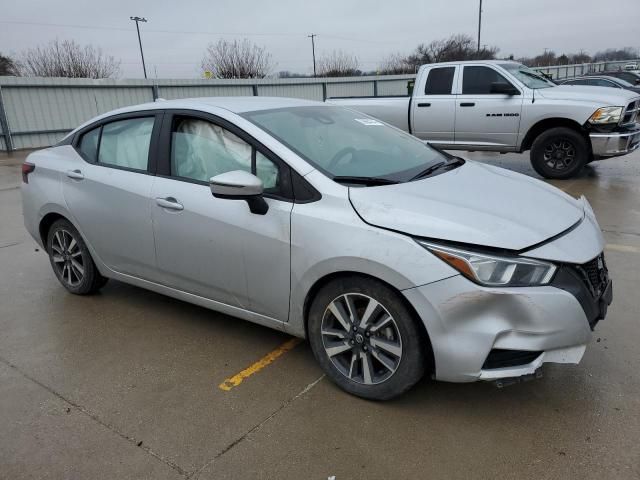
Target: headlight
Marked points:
492	270
606	115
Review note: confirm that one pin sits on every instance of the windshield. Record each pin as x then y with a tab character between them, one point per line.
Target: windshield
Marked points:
529	77
344	143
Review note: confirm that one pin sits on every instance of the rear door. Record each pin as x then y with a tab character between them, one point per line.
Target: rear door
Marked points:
433	106
109	193
483	118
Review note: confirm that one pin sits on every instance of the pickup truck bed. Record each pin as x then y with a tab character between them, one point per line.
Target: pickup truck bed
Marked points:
393	110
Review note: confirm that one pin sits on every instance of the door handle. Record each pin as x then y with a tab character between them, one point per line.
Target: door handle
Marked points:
467	104
169	203
424	104
75	174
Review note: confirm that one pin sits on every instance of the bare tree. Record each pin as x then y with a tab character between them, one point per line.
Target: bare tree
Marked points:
613	54
8	66
236	59
455	48
395	64
67	58
549	57
338	64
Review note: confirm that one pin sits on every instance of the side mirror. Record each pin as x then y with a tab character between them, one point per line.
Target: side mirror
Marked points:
240	185
504	88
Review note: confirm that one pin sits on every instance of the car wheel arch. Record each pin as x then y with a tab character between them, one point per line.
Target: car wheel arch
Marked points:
55	213
46	222
548	123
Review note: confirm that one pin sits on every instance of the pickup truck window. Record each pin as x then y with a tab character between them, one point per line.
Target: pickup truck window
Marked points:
440	81
478	80
345	143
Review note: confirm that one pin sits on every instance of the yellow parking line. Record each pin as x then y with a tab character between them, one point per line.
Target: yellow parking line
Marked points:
270	357
622	248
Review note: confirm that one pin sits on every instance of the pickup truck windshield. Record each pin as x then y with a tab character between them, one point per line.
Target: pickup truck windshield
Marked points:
530	78
345	144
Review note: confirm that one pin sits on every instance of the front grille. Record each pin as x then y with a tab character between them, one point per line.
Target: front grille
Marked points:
631	113
595	275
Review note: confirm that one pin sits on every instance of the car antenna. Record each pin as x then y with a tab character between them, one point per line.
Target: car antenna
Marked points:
533	100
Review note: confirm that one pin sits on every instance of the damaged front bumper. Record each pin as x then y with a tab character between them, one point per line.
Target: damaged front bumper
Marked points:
482	333
467	323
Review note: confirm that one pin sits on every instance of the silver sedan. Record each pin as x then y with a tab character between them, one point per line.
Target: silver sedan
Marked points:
394	259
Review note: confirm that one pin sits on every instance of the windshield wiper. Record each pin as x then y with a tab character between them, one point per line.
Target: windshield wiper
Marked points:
364	180
536	76
455	162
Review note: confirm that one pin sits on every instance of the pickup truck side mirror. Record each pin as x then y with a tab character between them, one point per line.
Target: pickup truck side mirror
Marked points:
240	185
504	88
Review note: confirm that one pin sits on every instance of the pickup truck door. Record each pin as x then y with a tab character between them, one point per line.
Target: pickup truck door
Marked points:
433	105
484	118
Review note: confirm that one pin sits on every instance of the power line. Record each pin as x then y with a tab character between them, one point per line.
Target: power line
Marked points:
192	32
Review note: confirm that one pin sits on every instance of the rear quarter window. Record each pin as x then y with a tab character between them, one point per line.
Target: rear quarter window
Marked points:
88	145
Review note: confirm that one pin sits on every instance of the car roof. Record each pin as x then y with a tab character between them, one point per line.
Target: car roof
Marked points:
236	105
591	77
475	62
233	104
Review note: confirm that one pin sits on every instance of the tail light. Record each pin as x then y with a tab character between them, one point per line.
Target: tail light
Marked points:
27	168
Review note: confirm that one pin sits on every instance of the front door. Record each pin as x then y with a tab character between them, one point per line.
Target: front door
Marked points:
216	248
484	118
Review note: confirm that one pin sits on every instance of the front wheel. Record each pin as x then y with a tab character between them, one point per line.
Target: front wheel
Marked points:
559	153
366	339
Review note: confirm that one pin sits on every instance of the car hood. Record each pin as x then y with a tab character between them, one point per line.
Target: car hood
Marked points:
603	96
474	204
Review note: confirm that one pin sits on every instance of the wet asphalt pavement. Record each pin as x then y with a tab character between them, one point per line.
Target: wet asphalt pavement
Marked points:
124	384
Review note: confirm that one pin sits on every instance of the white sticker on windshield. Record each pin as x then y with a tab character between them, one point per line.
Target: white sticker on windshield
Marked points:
368	121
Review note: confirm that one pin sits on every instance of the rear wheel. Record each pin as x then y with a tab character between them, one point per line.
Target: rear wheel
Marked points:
559	153
71	260
366	339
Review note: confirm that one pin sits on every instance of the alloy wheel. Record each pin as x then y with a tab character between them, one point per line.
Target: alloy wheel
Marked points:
67	257
361	338
559	154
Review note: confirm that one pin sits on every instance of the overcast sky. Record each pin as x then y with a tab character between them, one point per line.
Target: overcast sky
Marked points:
177	32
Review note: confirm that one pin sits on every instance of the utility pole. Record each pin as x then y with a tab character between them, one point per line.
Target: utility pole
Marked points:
140	19
479	24
313	51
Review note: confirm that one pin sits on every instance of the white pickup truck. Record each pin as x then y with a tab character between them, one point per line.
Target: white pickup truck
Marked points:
503	106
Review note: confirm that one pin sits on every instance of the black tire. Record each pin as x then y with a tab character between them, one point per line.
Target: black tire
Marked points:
71	260
404	331
559	153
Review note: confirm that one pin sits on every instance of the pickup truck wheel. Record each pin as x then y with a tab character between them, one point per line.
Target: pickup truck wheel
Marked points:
559	153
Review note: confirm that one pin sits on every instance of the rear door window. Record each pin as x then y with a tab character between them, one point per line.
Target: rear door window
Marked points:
440	81
125	143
